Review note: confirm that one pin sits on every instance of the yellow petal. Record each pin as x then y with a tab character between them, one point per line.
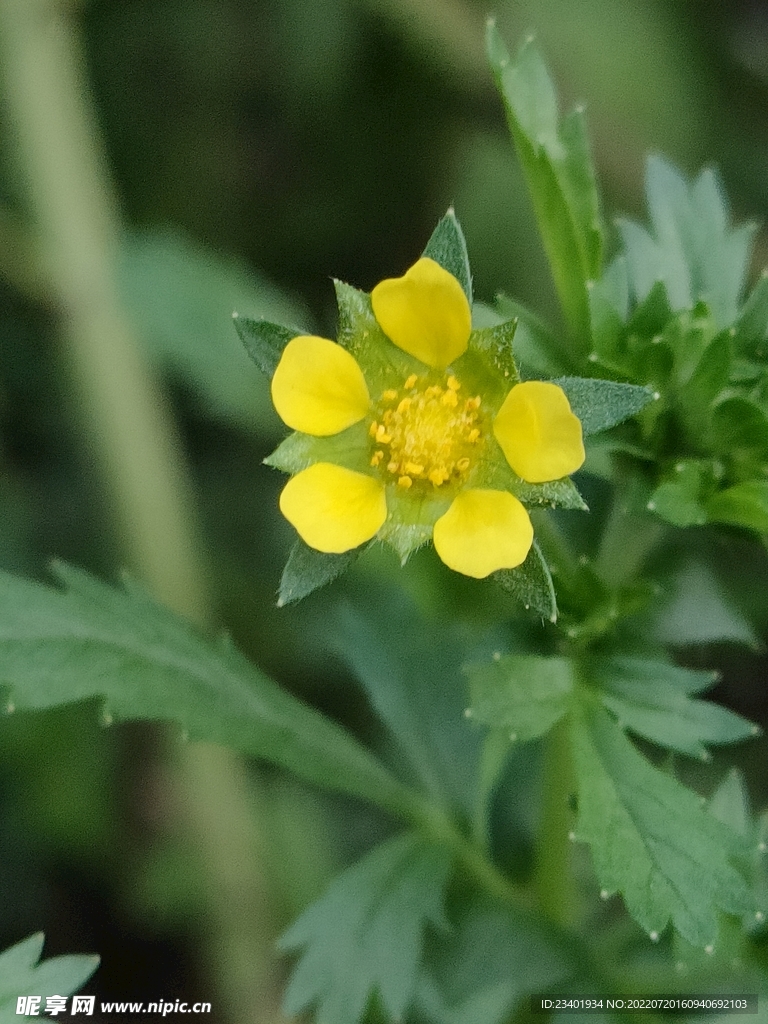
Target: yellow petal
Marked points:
538	433
334	509
425	313
483	531
318	388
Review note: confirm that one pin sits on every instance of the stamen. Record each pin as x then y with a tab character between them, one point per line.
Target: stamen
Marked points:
427	435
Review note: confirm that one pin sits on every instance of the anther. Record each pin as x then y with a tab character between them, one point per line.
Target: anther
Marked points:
404	482
453	384
411	380
390	395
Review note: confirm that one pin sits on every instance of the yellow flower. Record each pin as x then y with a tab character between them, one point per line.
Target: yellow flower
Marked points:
430	438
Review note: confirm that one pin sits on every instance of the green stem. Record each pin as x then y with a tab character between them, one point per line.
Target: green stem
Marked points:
553	876
629	535
130	432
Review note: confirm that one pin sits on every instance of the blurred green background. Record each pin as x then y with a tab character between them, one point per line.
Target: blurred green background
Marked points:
256	149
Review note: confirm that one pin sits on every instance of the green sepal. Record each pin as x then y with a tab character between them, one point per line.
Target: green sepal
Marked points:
307	570
22	975
448	247
531	583
409	522
264	342
384	365
653	700
524	694
744	504
350	448
555	158
495	345
651	839
601	404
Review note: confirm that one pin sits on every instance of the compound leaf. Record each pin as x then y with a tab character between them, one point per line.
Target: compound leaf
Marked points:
365	935
22	975
92	641
651	839
647	697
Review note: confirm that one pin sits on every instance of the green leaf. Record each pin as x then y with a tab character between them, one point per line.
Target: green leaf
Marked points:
365	935
693	249
752	325
91	641
698	612
647	698
263	341
489	960
522	693
531	583
180	296
609	309
601	404
22	975
350	448
447	246
678	500
307	570
423	710
739	425
558	168
745	504
702	388
651	839
537	349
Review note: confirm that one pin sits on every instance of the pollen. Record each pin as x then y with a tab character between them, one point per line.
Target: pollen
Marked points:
427	433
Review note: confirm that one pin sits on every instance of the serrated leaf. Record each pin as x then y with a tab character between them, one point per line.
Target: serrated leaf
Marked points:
423	710
307	570
490	959
639	694
730	803
365	935
531	583
21	975
263	341
92	641
558	169
522	693
693	249
350	448
181	296
601	404
744	504
447	246
651	839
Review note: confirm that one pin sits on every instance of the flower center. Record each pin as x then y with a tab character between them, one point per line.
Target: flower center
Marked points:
426	432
